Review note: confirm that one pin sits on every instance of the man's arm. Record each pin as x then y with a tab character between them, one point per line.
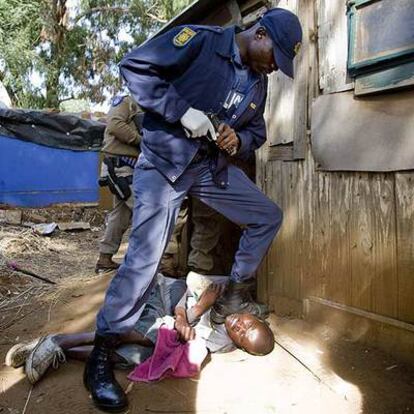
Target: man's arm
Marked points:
119	123
149	69
186	317
253	135
244	142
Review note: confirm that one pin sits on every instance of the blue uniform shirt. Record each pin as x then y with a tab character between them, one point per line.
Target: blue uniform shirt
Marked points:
242	83
166	77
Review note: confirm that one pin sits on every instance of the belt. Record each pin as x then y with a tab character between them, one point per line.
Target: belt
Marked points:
124	161
205	151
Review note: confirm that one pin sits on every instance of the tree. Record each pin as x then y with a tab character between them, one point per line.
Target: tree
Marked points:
73	51
20	27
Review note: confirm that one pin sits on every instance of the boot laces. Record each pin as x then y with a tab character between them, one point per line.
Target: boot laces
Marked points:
58	358
102	370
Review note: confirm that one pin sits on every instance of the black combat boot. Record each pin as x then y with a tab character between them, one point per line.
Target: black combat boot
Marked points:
99	378
237	298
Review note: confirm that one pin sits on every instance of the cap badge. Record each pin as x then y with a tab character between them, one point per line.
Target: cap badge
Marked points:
183	37
297	47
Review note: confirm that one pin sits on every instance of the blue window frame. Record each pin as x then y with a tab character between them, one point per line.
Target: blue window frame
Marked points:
380	31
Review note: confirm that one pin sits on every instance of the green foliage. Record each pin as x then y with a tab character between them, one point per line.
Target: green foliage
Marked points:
20	27
72	52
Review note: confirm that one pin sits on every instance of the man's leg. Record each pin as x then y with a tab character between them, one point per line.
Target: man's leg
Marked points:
118	221
156	207
55	349
170	260
80	350
204	238
243	203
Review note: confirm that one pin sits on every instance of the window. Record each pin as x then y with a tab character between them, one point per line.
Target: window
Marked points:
381	44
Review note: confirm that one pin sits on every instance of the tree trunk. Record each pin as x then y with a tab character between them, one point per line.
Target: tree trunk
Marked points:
57	39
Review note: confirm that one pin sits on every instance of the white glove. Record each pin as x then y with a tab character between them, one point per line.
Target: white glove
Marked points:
196	124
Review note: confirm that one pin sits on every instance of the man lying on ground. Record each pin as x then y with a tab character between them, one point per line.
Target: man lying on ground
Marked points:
192	320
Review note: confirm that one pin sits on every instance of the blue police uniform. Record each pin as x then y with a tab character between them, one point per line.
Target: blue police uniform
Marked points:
198	67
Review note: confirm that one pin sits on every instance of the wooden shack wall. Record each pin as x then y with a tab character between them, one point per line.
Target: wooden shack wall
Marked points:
347	240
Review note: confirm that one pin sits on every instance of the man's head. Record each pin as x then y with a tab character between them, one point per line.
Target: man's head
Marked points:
250	333
273	42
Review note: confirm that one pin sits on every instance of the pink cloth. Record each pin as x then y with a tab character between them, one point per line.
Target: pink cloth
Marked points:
171	358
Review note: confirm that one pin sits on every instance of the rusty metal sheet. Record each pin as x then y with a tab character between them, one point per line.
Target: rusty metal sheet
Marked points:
370	134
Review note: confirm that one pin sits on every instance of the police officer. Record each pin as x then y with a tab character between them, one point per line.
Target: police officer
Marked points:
121	147
178	77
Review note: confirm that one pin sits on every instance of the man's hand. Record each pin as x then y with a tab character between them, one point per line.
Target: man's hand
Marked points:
227	139
196	124
208	298
185	331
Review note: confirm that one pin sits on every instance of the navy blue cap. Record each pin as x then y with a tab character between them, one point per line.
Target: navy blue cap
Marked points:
285	30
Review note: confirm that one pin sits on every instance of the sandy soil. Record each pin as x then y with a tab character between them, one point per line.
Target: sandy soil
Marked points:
337	376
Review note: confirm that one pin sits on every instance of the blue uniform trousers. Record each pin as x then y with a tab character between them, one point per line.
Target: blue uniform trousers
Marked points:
157	203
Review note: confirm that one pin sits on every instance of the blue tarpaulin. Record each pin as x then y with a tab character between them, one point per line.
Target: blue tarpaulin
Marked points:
47	159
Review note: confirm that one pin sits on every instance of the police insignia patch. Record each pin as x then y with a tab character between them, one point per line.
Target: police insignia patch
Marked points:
183	37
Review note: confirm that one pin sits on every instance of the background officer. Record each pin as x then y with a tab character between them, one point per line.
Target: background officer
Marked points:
121	146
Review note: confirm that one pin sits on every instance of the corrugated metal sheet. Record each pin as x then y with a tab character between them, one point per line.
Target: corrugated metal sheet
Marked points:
371	134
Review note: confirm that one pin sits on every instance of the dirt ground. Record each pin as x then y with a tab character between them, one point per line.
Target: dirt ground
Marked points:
310	370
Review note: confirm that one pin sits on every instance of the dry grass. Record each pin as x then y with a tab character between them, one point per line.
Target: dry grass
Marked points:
66	258
18	241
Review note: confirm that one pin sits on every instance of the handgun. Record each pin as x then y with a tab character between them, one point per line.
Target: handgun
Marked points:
215	120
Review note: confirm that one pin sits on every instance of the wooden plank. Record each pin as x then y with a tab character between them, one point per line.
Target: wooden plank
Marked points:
385	333
234	9
368	315
246	6
310	254
285	306
278	250
362	258
280	116
385	283
281	97
262	282
280	153
251	17
404	199
333	46
305	14
339	278
291	186
323	230
263	271
301	258
285	241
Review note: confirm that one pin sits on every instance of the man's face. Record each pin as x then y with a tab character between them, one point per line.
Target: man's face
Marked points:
260	53
247	332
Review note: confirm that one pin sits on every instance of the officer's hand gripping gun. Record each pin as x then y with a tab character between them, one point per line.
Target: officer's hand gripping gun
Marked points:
215	120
